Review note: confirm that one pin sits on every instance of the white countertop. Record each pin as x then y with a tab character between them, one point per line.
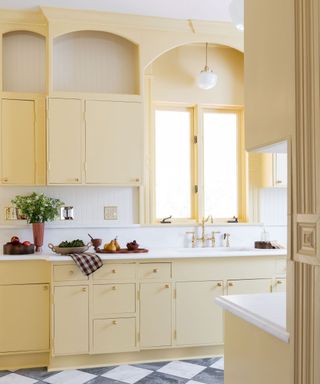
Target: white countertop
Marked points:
267	311
160	253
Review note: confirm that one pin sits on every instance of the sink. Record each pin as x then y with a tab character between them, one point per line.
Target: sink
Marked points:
216	249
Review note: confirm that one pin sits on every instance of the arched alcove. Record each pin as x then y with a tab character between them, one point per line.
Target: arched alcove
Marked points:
95	61
23	62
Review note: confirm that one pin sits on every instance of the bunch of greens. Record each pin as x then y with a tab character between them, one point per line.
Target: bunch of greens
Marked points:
73	244
38	208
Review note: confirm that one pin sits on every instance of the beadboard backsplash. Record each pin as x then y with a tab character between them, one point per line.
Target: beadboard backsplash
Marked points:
89	203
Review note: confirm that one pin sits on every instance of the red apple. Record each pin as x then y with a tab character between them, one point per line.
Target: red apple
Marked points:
15	240
26	243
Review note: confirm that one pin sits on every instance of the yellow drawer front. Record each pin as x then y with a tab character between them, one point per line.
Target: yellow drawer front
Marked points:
114	298
68	273
116	272
155	271
114	335
24	272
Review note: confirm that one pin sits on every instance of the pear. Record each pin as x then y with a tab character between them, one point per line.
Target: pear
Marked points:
117	244
111	247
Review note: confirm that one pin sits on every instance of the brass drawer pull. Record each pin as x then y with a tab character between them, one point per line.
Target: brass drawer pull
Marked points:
231	284
279	282
114	322
114	288
45	287
155	270
84	289
113	271
219	284
167	286
71	272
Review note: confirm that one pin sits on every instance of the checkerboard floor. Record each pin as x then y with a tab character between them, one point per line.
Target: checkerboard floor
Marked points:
201	371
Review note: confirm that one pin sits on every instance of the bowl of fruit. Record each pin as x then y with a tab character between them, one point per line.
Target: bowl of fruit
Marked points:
67	247
16	247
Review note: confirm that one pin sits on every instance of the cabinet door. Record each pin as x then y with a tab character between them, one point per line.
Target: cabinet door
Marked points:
199	320
155	315
24	319
242	287
114	142
65	120
280	172
71	333
18	141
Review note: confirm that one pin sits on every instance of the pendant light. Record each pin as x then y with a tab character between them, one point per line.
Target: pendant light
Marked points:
207	79
236	10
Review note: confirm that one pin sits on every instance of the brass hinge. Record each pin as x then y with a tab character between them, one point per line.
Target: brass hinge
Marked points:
175	293
138	295
138	336
175	334
196	189
195	139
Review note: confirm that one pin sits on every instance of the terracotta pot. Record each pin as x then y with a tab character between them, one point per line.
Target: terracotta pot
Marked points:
38	231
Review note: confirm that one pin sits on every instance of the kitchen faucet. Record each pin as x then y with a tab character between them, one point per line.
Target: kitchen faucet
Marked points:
203	237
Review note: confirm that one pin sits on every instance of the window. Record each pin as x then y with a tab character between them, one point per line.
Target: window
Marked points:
197	164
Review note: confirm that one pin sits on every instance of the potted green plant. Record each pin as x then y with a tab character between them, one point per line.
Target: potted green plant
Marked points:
37	209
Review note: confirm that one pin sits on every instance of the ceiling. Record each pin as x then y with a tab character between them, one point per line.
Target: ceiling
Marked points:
214	10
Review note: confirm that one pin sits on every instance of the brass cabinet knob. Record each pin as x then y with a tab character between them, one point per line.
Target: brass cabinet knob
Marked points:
5	179
45	287
114	322
231	284
219	284
76	179
155	270
84	289
113	271
279	282
167	286
114	288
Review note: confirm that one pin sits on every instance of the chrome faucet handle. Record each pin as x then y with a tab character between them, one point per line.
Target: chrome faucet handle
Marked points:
193	239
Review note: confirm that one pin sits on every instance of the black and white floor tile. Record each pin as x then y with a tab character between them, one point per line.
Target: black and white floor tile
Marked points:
201	371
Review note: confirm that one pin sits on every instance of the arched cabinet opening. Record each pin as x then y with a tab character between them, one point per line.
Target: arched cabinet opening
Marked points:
23	62
94	61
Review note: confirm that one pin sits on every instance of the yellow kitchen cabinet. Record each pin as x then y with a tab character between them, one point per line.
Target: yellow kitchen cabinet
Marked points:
199	320
114	142
155	315
24	319
114	335
65	123
22	142
247	286
71	320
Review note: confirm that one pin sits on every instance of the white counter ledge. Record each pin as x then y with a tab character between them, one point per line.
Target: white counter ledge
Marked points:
160	253
267	311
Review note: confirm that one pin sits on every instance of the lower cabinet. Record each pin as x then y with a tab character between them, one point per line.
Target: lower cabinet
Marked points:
199	321
24	319
71	320
155	315
114	335
247	286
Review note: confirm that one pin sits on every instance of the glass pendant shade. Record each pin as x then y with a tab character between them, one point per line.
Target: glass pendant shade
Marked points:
207	79
236	9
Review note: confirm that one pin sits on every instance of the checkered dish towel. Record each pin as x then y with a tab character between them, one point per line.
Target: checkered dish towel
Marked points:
87	262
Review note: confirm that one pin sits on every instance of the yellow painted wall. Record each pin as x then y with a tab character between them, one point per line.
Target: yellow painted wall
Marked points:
174	75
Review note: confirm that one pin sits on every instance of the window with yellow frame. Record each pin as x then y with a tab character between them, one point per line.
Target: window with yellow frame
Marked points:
198	163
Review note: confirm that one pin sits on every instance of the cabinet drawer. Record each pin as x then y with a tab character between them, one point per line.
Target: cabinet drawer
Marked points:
155	271
68	273
281	267
114	298
114	335
116	272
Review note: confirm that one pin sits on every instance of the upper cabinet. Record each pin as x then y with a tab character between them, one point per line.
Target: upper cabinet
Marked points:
95	62
269	72
23	62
